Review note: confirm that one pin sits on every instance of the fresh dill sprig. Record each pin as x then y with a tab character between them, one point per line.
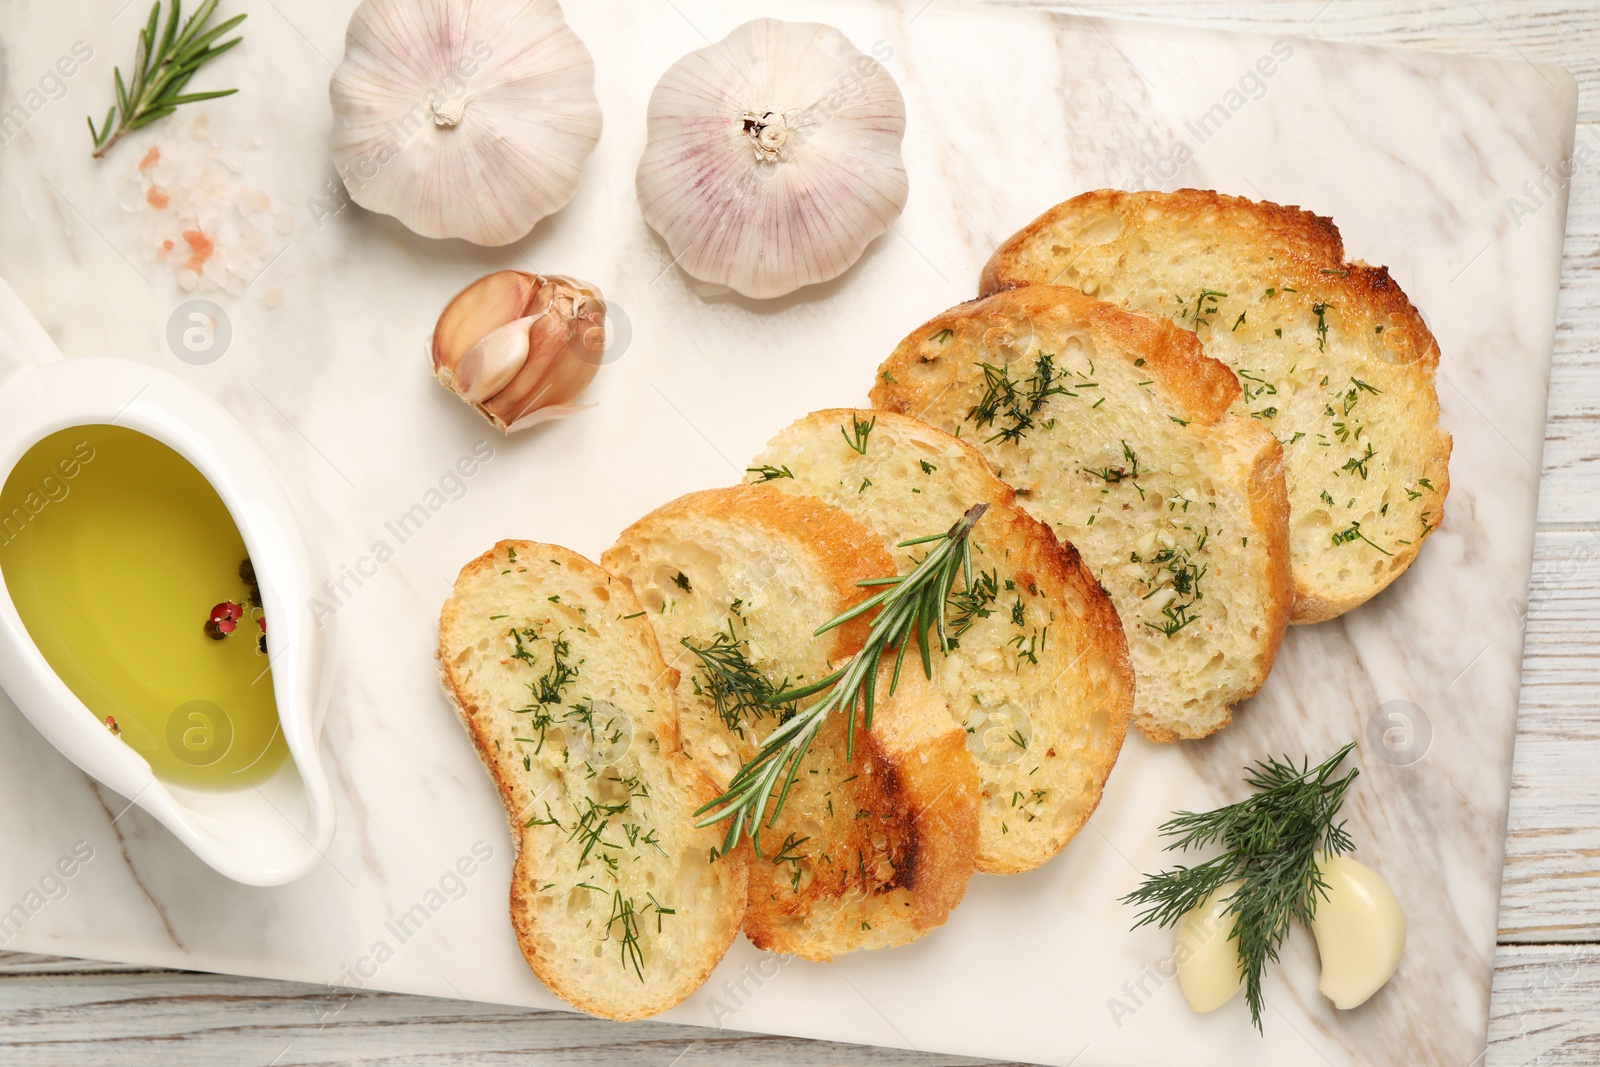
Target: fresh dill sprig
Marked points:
908	607
974	602
1205	305
739	691
1016	402
622	911
1112	475
1270	841
770	473
1320	310
161	68
1353	533
859	432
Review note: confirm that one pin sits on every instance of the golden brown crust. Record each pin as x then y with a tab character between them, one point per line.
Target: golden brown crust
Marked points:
910	771
1297	234
733	874
1269	506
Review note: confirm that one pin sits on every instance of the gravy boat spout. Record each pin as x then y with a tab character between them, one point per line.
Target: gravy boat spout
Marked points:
266	833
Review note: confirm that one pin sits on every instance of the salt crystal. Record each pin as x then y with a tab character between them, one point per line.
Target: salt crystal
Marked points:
283	222
187	280
272	295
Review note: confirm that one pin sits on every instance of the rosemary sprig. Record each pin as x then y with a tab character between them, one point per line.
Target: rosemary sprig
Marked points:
909	606
1271	841
161	68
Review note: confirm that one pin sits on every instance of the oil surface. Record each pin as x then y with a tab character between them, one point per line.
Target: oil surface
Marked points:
114	551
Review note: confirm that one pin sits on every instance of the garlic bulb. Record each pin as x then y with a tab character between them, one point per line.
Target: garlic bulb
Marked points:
520	347
463	118
773	157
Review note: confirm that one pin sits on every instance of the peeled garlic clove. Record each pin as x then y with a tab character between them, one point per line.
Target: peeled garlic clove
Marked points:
520	347
1209	972
1360	932
463	118
773	157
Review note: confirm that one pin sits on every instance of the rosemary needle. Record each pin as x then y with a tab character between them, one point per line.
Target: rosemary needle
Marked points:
1271	840
161	68
909	606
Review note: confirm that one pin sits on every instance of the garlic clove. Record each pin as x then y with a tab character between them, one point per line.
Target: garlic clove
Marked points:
1360	932
1209	971
516	345
488	366
463	118
773	157
485	305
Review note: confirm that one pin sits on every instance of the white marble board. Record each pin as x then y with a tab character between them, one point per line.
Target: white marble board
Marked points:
1421	159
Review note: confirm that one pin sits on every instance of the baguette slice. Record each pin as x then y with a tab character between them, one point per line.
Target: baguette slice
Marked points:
614	900
867	852
1331	355
1041	681
1115	428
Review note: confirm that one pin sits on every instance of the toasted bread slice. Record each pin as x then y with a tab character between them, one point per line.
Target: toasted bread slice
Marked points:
868	851
559	681
1115	428
1041	681
1331	355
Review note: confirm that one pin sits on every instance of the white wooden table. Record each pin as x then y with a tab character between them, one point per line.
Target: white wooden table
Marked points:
1546	1007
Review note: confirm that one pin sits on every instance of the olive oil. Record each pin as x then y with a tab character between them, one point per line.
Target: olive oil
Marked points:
116	552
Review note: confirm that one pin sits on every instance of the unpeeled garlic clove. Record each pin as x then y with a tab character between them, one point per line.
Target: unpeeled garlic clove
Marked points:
1360	932
520	347
1209	972
488	366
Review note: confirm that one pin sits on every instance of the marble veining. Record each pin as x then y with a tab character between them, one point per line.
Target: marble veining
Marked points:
1416	156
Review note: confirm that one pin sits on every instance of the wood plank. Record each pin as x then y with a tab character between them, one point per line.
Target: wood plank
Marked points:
1571	489
1551	887
1559	34
1542	1011
31	963
174	1018
1543	1008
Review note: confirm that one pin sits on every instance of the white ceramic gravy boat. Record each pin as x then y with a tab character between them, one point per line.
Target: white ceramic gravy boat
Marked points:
268	834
